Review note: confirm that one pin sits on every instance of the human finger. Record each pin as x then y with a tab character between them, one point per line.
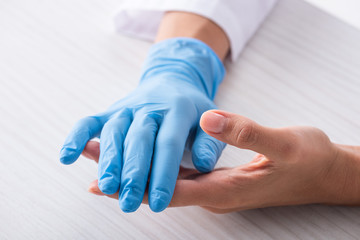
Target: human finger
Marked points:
168	152
187	173
138	152
210	189
84	130
206	150
92	151
94	189
111	153
244	133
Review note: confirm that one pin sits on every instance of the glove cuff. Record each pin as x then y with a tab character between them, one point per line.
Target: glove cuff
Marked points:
189	57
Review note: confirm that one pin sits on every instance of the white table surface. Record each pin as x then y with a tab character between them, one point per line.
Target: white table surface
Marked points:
61	60
346	10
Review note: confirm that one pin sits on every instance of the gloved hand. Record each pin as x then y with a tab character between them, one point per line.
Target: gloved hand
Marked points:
150	128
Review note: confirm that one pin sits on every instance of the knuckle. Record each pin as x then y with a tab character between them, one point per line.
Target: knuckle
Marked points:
89	120
290	148
134	187
150	121
313	131
295	143
86	125
132	159
246	134
114	128
153	117
112	124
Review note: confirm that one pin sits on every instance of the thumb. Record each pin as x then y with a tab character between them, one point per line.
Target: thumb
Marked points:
244	133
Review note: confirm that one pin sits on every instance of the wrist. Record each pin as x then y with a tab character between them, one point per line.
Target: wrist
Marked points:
186	24
185	59
343	187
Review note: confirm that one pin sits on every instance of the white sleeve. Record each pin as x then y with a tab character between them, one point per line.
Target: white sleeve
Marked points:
238	18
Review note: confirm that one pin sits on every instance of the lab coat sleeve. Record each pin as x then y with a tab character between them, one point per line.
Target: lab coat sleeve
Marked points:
238	18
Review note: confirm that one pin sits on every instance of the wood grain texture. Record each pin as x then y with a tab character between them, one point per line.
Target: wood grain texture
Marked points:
60	61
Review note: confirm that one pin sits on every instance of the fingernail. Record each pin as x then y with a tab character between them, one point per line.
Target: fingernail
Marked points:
158	201
213	122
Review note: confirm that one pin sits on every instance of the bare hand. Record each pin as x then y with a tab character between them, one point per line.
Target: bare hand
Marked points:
295	165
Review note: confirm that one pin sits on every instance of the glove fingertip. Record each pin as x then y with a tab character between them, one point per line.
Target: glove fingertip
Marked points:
108	186
158	201
68	156
206	152
204	159
130	204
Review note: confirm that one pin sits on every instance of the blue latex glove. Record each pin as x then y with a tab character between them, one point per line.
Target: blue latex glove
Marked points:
151	127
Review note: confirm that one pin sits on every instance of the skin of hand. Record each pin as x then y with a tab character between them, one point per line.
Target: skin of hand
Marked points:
294	166
153	125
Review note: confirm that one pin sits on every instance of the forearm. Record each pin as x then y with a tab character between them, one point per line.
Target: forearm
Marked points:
183	24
